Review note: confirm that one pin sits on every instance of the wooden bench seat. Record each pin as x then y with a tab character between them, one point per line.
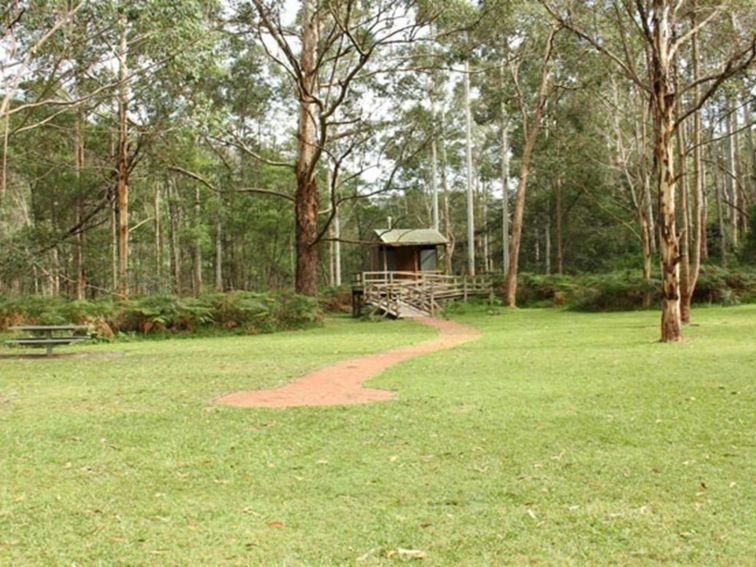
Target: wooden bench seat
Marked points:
32	341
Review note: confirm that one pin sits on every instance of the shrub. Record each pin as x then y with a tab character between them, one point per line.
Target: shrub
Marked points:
337	299
238	311
617	292
728	287
627	290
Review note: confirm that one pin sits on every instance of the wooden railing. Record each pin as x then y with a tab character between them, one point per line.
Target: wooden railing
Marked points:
423	291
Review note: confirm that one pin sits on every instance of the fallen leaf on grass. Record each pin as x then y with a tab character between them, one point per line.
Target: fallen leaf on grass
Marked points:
276	525
407	553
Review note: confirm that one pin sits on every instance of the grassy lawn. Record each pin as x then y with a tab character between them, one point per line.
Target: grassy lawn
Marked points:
556	439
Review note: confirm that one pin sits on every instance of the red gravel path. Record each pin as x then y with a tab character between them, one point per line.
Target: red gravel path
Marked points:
341	383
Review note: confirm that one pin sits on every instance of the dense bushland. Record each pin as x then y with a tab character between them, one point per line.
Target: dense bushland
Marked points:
241	312
619	291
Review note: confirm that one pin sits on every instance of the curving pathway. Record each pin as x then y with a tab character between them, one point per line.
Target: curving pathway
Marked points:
341	383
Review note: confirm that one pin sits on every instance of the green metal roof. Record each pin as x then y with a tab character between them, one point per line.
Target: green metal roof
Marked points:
410	236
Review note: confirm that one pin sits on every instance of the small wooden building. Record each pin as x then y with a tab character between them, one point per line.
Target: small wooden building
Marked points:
406	250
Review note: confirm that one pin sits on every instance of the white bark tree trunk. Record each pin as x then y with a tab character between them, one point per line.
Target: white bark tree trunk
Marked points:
505	150
469	169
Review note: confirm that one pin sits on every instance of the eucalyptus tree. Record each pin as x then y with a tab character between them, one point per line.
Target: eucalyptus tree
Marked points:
531	125
155	43
663	28
335	46
24	32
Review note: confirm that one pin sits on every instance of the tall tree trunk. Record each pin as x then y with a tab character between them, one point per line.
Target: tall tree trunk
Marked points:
449	248
197	251
114	246
731	177
721	221
531	134
469	169
158	243
175	223
646	177
646	238
219	255
122	166
738	178
559	227
54	273
547	244
505	149
750	174
483	196
306	208
337	248
662	105
81	276
685	269
434	183
504	126
335	229
698	226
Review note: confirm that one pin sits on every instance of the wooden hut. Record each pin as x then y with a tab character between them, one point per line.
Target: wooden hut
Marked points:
403	277
406	250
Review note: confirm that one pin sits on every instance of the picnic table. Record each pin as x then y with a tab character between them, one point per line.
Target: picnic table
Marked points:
48	336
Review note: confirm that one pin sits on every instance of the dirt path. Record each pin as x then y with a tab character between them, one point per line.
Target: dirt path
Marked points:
341	383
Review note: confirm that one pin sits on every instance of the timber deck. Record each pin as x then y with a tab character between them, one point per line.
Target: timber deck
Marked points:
414	294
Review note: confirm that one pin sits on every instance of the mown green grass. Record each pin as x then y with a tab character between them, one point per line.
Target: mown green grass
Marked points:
556	439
